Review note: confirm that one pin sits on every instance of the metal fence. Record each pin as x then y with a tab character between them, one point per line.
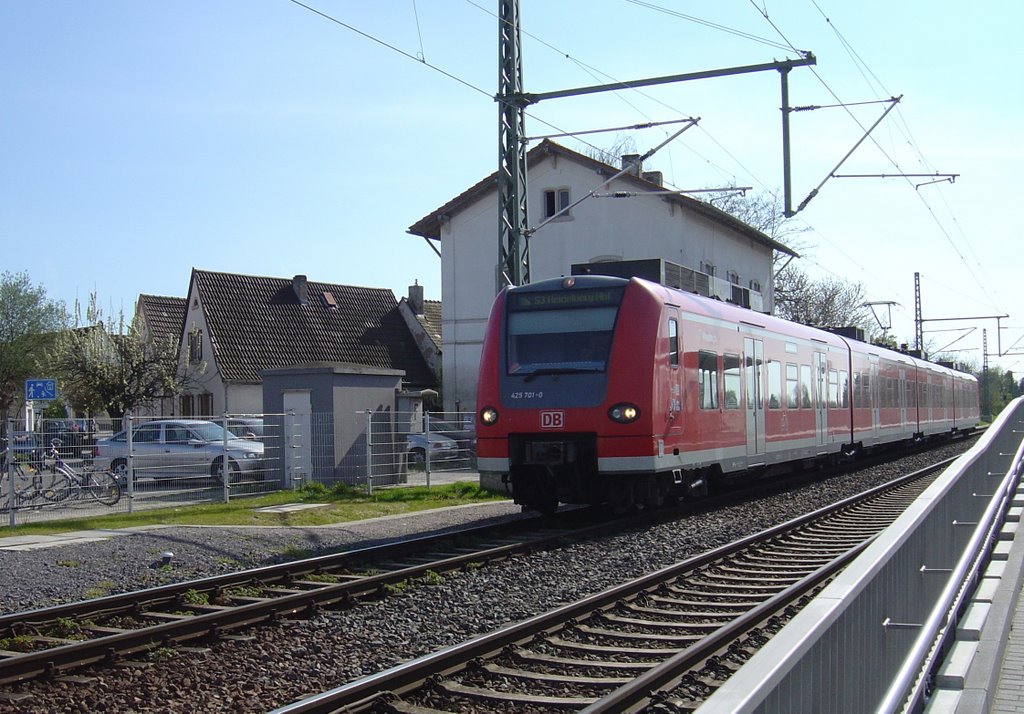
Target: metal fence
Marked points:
872	639
53	470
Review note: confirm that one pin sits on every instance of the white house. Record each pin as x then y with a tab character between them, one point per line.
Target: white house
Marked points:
238	326
633	218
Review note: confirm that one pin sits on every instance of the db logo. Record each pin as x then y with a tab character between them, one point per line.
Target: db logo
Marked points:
552	420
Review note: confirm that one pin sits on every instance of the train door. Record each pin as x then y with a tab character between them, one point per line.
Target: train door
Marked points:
753	368
821	397
878	392
903	399
674	378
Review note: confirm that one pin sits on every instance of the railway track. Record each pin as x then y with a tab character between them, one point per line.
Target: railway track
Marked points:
667	638
55	641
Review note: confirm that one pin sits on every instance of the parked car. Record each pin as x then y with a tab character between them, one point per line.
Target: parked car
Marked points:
441	448
76	436
463	434
172	448
26	449
246	427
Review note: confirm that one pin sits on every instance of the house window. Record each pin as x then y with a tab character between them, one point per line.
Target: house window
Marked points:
206	404
707	268
733	277
755	286
555	199
186	405
195	346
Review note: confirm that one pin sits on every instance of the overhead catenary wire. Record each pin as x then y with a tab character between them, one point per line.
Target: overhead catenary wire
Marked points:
421	59
893	161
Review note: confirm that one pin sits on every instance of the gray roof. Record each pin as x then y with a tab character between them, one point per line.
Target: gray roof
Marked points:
431	319
164	316
257	323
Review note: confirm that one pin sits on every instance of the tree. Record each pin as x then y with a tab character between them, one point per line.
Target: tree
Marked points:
828	302
114	366
998	388
624	144
762	210
28	322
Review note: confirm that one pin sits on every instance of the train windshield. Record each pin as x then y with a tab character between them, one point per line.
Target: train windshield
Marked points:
557	333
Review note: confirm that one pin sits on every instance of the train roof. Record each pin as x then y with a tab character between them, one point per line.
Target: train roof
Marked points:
734	313
711	307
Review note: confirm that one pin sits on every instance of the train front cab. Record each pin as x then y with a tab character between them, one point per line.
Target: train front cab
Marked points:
547	394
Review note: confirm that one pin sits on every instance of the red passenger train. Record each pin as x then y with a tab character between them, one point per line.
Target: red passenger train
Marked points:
605	390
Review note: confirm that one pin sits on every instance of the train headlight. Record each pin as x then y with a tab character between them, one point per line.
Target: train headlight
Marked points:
624	413
488	415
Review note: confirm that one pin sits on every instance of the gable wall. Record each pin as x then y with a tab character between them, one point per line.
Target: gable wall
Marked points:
599	228
233	398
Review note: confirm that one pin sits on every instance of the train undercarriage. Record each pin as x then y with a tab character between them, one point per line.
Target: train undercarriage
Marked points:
546	470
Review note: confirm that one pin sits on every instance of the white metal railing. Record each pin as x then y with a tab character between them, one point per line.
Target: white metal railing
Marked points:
870	639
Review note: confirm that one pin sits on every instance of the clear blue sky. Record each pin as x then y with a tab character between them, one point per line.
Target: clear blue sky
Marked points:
143	139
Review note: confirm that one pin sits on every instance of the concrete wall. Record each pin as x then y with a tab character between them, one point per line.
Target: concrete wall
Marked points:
597	229
335	431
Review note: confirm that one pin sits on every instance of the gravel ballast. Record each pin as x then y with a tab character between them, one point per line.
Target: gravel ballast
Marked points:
282	663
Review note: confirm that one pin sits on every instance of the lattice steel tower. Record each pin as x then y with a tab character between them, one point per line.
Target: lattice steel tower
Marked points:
513	249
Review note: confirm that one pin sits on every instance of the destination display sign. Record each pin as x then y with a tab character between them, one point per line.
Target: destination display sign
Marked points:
602	297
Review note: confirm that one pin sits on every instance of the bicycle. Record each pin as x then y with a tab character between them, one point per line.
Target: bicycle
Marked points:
102	486
32	488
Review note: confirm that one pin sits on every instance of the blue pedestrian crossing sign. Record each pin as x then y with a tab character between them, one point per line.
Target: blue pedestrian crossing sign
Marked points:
40	389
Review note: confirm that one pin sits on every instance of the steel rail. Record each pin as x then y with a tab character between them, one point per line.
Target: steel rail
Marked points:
305	595
365	693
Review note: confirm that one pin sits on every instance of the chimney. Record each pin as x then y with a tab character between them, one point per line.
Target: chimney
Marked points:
632	163
653	177
416	297
301	289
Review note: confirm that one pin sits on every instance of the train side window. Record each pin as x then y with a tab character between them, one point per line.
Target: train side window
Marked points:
673	342
844	389
731	364
707	379
774	384
792	387
833	388
805	386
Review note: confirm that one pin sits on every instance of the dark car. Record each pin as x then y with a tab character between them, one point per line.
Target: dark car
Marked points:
76	436
26	448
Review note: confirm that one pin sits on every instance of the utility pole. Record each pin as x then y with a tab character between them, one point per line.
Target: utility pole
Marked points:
513	245
513	251
984	375
918	322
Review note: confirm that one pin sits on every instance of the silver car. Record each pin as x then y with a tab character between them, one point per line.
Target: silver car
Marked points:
173	448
